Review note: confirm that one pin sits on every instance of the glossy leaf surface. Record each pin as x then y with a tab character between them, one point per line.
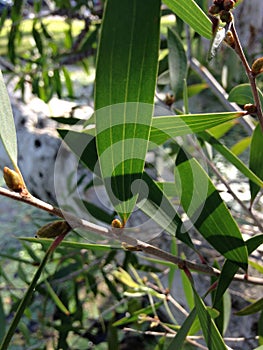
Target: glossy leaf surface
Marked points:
124	92
207	211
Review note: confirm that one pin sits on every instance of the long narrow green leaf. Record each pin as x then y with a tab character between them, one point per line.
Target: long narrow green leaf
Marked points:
7	125
179	339
212	336
252	308
207	211
124	93
177	63
69	244
256	160
56	299
228	272
192	14
166	127
231	157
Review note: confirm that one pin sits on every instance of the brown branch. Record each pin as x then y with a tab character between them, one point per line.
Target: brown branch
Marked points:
251	77
120	236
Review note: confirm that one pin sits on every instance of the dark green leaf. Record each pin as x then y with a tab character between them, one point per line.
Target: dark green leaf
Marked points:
207	211
212	336
177	63
68	82
179	339
57	83
254	242
256	160
2	320
191	14
124	92
226	277
38	40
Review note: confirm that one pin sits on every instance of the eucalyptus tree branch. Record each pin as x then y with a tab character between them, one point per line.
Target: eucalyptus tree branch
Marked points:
251	76
128	242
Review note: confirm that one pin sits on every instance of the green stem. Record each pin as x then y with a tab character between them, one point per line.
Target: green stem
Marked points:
27	297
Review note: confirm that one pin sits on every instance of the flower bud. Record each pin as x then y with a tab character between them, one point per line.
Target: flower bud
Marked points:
228	5
13	180
53	229
214	9
226	16
257	66
116	223
229	39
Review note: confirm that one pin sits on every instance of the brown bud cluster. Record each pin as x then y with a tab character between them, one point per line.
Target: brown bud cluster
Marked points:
222	8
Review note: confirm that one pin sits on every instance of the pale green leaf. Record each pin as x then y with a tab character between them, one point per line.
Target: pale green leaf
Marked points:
192	14
242	94
167	127
7	125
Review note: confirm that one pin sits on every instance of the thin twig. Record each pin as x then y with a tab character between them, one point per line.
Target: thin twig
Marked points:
250	75
76	222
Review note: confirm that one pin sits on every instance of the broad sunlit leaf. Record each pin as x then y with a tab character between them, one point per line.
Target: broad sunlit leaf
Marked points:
124	93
